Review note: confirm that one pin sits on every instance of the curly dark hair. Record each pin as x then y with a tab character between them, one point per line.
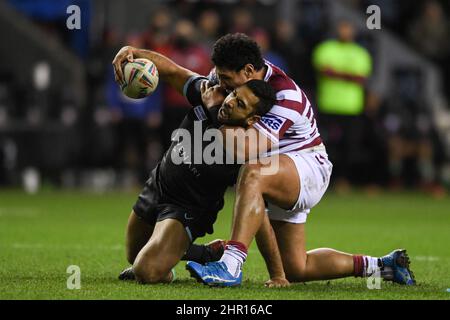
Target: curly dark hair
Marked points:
265	94
234	50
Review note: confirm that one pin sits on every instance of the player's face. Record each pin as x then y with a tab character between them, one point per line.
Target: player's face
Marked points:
230	80
238	108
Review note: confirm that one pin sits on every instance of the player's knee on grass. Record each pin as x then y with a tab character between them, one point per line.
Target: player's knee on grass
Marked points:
154	263
151	265
150	272
164	250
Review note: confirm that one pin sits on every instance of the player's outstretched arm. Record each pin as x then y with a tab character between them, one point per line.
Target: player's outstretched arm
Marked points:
170	72
268	247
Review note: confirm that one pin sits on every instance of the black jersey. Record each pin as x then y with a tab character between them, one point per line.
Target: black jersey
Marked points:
195	182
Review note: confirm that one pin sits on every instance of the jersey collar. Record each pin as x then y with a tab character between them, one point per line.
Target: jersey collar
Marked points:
269	70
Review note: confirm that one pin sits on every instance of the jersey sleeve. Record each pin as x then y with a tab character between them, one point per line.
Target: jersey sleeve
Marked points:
191	90
273	126
192	93
288	109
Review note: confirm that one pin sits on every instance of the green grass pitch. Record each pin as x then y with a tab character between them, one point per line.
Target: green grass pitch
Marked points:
41	235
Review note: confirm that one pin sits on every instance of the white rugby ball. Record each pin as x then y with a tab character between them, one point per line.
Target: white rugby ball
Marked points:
141	78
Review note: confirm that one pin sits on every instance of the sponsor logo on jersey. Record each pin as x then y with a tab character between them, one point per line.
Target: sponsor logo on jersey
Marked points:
273	122
200	113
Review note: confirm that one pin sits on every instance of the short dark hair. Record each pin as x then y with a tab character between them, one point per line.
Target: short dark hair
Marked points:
265	94
234	50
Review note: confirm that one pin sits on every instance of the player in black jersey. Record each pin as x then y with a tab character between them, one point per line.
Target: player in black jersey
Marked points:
184	193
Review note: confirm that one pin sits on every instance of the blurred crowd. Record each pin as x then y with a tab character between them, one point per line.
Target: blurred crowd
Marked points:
373	141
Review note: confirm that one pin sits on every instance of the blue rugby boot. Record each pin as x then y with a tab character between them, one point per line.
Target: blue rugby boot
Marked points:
398	260
214	274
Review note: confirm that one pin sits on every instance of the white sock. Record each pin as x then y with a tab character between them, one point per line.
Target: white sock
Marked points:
370	266
233	257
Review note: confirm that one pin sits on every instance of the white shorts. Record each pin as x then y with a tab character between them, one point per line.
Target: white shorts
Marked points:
314	170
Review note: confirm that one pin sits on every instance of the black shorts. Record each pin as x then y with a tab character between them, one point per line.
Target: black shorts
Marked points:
152	207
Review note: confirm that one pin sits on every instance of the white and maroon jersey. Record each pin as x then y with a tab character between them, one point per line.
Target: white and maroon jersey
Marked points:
290	124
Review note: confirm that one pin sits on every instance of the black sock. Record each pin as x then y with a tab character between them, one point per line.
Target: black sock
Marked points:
197	253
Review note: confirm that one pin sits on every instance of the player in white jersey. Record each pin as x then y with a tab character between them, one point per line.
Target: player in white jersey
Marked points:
291	138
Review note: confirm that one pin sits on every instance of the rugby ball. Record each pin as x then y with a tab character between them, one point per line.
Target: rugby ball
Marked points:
140	78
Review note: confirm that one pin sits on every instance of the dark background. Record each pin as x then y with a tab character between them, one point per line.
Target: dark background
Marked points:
64	124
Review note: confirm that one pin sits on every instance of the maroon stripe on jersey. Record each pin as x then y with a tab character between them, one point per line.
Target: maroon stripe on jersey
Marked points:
318	159
314	143
308	114
294	134
276	115
281	82
284	128
293	105
291	136
305	101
